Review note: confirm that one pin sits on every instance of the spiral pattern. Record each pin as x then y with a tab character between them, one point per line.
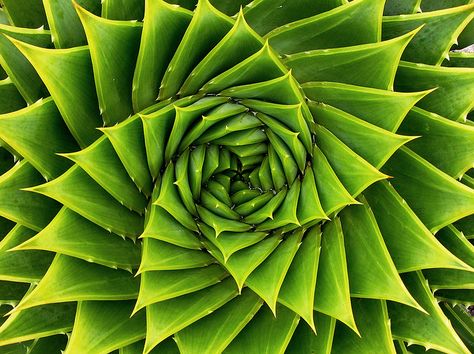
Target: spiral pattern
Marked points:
238	180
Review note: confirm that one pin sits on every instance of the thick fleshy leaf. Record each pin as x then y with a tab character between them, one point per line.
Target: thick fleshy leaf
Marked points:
66	28
159	255
268	278
377	63
10	98
362	18
103	326
401	7
437	133
202	336
431	329
297	291
67	73
305	341
385	109
101	162
38	322
265	15
18	68
331	192
457	243
332	294
168	317
454	88
241	264
22	266
26	131
355	173
266	333
51	344
123	9
450	278
72	235
25	208
113	47
72	279
374	325
372	143
163	27
411	245
129	144
238	44
29	13
77	191
436	198
162	285
207	27
372	273
426	47
261	66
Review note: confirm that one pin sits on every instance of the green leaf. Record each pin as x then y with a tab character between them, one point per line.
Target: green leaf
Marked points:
72	279
436	198
401	7
436	133
26	131
426	47
450	278
265	15
242	263
51	344
123	10
208	335
411	245
113	47
162	285
229	242
454	88
385	109
207	27
102	164
159	255
38	322
66	28
355	173
266	333
17	67
431	329
374	324
10	98
372	143
28	13
129	144
377	63
24	266
70	234
12	292
67	73
331	192
372	273
362	18
460	59
168	317
332	295
28	209
268	278
305	341
238	44
462	322
103	326
261	66
297	291
80	193
457	243
163	27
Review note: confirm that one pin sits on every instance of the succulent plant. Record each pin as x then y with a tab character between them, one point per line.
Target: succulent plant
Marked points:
233	176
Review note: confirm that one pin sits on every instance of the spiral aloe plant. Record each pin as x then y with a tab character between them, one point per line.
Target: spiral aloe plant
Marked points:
232	176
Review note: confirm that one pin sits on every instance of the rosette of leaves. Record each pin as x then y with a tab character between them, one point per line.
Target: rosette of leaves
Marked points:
293	176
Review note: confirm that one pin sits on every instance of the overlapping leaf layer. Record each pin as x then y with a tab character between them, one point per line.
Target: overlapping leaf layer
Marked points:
187	177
